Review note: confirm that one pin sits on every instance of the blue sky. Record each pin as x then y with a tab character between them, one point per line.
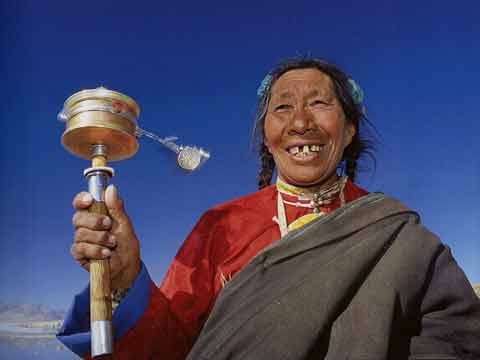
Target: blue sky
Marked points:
194	68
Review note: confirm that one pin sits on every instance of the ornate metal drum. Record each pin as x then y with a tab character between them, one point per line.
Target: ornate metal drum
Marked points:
100	117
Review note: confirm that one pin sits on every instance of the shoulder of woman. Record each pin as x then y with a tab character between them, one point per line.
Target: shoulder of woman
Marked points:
256	201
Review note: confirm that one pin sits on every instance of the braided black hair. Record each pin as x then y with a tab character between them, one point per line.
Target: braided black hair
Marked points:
266	168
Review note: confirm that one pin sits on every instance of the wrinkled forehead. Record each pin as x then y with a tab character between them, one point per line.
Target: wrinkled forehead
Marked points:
302	81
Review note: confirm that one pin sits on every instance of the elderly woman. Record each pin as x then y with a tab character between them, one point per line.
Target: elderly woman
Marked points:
313	267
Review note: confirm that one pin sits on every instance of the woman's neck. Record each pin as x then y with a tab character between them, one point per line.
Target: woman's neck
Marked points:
287	188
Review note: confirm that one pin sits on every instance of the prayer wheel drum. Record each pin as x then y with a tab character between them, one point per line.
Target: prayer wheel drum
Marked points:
100	117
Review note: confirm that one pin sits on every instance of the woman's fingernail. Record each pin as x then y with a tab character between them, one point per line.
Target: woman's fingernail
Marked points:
106	252
86	198
106	221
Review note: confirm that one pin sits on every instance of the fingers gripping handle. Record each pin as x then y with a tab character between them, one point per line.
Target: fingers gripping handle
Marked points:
100	288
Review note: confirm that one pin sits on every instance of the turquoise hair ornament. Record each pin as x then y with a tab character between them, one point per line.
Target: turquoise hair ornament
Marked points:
264	85
356	91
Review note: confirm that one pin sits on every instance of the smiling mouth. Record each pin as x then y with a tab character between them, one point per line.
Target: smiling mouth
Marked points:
305	150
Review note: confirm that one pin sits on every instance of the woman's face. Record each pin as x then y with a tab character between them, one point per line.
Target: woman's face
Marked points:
305	128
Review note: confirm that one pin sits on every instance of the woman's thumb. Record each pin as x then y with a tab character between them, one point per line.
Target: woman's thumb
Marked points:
114	203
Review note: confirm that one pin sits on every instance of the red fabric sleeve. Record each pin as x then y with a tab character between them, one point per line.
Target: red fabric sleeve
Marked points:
178	308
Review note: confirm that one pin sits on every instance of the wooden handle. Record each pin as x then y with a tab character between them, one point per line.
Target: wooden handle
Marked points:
100	289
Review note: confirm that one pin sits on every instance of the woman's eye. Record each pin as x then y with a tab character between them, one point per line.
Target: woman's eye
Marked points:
282	107
318	102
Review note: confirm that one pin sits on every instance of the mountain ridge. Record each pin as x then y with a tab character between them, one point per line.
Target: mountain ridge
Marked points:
29	312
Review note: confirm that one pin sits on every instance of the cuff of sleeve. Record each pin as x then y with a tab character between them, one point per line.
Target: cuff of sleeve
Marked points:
75	330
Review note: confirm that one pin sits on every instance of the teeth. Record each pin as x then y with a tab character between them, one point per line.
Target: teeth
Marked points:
304	150
294	150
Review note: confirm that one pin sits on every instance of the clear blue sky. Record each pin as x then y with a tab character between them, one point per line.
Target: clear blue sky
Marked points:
194	68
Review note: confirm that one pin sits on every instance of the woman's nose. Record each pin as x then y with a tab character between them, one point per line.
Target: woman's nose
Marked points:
302	121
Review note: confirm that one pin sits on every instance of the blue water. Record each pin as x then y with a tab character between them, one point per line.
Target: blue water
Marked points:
49	349
14	328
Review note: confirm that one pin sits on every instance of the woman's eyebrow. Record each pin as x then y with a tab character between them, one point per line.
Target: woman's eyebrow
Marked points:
325	95
285	95
315	92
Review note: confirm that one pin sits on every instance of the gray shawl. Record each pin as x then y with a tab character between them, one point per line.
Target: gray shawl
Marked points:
366	281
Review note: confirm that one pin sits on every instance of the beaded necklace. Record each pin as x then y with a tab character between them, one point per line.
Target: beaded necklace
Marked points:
316	199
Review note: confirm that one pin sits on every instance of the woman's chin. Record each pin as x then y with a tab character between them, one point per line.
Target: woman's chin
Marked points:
309	180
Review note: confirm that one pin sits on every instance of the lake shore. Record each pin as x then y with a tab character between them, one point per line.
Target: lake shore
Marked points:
34	330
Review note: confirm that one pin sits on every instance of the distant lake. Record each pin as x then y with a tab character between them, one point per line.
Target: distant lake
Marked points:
22	343
50	349
14	328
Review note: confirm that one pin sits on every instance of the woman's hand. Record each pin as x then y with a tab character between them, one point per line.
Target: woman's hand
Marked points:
106	237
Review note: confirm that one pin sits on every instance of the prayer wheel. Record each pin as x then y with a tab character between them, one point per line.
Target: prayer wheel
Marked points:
101	126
